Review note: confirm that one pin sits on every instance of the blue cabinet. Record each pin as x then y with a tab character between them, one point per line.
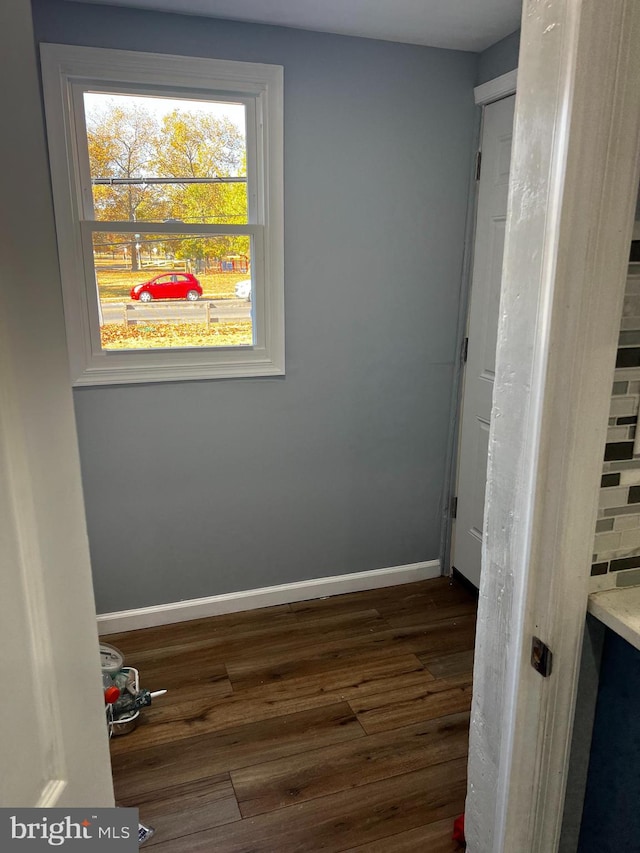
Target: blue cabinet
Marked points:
611	814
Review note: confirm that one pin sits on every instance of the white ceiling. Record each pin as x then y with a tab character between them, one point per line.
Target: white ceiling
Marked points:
459	24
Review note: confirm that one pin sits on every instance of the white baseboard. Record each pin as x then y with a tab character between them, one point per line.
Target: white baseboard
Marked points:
250	599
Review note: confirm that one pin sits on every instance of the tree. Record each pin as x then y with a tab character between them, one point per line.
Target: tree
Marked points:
197	145
122	144
127	141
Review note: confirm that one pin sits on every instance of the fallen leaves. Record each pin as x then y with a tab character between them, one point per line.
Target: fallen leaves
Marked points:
235	333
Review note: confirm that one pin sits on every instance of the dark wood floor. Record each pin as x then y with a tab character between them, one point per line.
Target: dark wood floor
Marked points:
338	724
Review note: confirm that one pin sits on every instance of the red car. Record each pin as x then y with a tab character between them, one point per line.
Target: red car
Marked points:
170	285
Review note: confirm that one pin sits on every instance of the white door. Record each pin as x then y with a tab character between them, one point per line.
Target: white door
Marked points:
53	742
482	332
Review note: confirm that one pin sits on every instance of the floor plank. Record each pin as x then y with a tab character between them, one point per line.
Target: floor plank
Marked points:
339	821
436	590
177	669
359	677
245	675
443	666
185	809
176	719
186	675
432	838
140	770
384	711
403	617
192	631
271	640
450	635
276	784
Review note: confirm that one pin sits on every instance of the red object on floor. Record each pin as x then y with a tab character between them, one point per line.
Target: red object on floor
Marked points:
458	830
111	695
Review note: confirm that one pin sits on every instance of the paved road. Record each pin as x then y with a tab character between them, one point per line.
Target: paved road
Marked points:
176	310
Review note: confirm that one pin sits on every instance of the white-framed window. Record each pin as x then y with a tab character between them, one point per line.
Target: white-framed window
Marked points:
167	176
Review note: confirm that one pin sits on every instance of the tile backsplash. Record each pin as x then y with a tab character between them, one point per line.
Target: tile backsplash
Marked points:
617	538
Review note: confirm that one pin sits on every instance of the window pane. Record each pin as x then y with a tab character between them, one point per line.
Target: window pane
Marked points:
173	291
160	159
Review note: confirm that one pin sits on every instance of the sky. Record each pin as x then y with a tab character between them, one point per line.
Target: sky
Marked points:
161	106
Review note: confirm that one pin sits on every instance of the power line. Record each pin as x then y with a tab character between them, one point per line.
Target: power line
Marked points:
139	181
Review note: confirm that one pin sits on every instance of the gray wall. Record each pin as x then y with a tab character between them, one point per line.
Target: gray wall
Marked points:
499	58
199	488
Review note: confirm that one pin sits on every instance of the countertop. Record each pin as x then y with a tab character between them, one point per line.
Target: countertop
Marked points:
619	609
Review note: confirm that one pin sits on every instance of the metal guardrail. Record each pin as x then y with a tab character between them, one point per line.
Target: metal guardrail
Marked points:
194	312
203	311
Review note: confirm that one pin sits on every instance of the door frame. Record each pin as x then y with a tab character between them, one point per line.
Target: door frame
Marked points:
496	89
486	93
573	187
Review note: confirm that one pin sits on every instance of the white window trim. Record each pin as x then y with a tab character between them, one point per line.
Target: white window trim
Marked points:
66	66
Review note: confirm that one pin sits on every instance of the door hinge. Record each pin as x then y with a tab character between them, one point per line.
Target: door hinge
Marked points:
465	350
478	164
454	508
541	657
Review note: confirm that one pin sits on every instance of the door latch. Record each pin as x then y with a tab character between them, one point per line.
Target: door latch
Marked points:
541	657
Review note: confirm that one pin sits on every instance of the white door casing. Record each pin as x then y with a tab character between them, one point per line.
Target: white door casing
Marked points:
497	132
573	186
53	740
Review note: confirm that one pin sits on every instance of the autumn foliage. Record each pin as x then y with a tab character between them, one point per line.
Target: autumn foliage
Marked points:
134	142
